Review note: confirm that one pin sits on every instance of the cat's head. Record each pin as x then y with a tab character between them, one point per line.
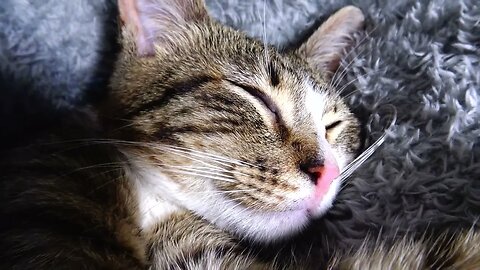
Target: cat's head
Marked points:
248	138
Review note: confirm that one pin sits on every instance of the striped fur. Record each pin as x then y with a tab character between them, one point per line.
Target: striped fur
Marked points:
231	126
459	250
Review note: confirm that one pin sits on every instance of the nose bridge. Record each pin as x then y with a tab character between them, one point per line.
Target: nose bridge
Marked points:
314	150
311	150
316	162
324	159
320	164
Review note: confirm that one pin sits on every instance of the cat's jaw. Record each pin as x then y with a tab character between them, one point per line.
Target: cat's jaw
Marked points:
151	189
264	226
152	209
256	225
159	197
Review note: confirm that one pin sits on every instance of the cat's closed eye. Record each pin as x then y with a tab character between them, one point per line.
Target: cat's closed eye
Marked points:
268	104
333	125
332	130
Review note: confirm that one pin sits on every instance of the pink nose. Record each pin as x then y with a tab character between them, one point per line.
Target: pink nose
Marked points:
325	175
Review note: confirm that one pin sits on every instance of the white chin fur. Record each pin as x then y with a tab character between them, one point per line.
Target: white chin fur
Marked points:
261	226
256	225
154	188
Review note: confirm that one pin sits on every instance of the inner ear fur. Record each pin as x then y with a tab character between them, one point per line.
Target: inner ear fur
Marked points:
325	47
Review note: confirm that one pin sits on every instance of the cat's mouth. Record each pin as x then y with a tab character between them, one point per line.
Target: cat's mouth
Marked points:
274	225
324	197
325	190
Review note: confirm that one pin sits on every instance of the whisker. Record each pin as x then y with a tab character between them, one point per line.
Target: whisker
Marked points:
201	175
212	156
222	191
357	162
208	169
338	77
345	86
264	23
192	157
105	183
186	155
239	190
351	93
196	170
117	165
222	158
124	126
352	50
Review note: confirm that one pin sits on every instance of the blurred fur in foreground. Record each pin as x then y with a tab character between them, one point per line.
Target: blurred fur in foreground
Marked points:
448	251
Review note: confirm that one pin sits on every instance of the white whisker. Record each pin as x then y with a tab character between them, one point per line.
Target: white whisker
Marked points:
187	155
222	191
201	175
345	86
357	162
267	60
336	79
212	160
218	170
211	156
197	170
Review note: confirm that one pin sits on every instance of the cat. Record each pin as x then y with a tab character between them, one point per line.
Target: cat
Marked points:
208	140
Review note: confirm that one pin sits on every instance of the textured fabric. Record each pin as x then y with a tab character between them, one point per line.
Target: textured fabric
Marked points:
419	58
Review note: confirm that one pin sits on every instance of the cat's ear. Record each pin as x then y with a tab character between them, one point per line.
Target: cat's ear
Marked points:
324	49
152	22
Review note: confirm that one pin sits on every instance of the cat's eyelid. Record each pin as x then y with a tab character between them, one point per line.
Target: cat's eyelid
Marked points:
333	125
259	95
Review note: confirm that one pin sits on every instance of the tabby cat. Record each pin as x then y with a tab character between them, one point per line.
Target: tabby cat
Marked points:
208	140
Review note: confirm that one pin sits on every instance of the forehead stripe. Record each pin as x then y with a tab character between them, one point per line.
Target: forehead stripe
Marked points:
174	89
274	77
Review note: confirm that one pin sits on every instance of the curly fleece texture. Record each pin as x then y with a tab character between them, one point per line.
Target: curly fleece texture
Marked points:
418	58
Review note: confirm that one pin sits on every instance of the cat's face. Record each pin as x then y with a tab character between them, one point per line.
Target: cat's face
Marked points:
244	136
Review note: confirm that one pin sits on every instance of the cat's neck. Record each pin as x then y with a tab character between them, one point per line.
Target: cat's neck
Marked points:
151	192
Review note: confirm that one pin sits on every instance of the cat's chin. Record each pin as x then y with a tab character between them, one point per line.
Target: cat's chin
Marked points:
255	224
260	225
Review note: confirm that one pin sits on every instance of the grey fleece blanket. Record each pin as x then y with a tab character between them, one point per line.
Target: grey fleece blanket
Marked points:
421	58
